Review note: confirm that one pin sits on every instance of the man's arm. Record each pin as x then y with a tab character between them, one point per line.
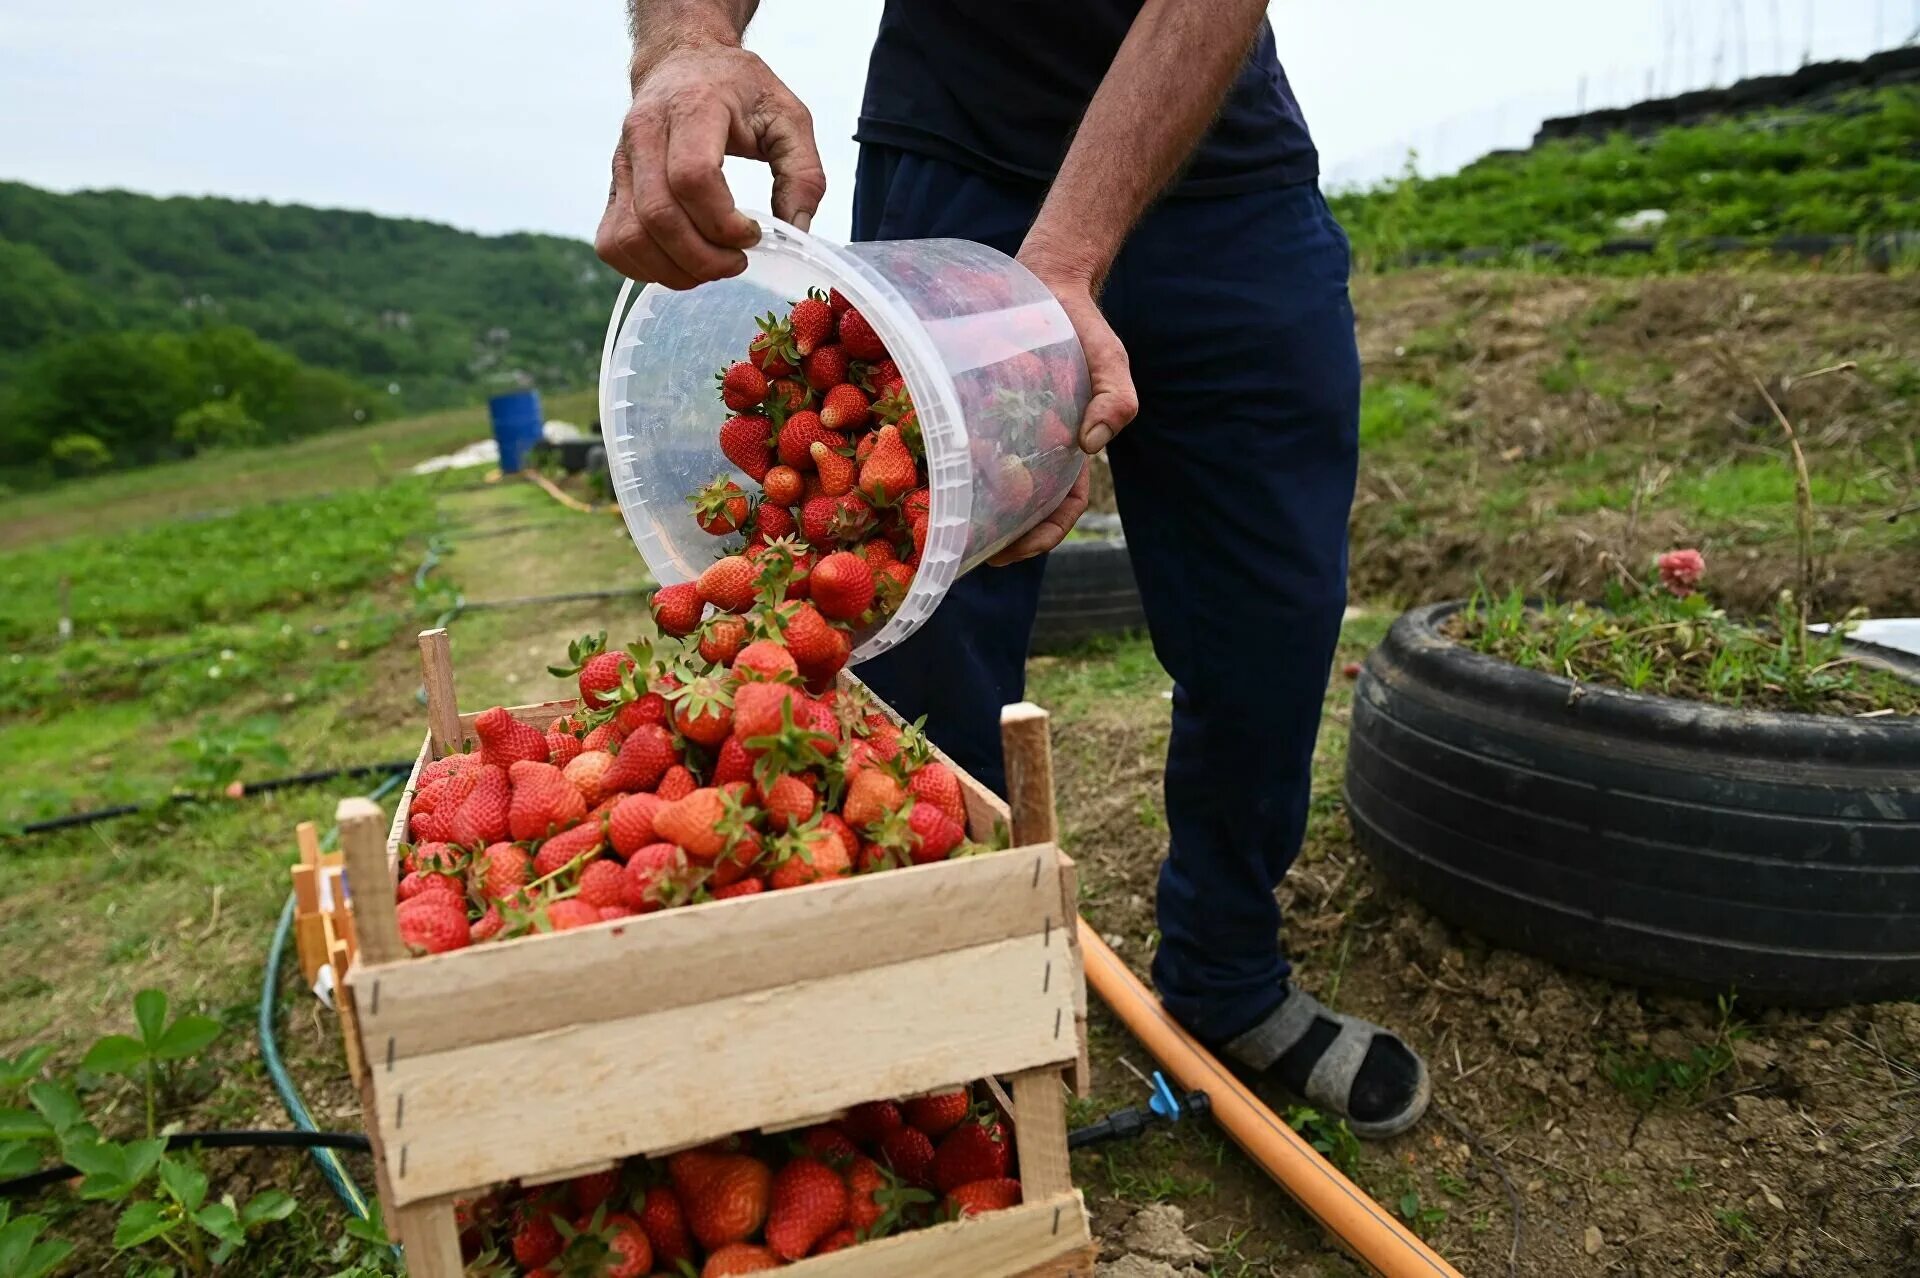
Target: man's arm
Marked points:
1153	105
697	98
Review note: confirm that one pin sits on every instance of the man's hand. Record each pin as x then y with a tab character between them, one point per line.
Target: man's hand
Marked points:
670	218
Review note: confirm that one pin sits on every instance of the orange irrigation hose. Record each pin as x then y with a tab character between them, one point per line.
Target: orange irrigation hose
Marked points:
1360	1224
571	503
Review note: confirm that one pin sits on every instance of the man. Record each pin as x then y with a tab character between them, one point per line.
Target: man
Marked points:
1150	155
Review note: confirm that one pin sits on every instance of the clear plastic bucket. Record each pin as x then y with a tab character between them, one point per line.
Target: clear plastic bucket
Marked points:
998	380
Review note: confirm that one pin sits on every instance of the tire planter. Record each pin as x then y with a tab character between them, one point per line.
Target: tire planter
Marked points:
1087	591
1658	841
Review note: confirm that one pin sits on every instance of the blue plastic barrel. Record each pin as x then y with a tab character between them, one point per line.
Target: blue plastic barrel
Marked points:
516	425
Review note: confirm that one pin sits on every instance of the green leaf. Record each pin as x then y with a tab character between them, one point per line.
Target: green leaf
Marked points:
58	1105
142	1157
141	1222
23	1254
150	1013
187	1184
16	1160
266	1207
186	1037
23	1124
22	1068
220	1220
95	1157
369	1229
115	1054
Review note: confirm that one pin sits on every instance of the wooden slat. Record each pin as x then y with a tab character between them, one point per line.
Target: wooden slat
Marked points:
1081	1076
679	957
370	880
539	714
340	958
431	1238
443	709
1028	748
616	1088
397	832
1000	1244
1075	1264
307	838
1040	1133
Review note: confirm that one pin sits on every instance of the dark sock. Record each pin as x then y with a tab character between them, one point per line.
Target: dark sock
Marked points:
1389	1074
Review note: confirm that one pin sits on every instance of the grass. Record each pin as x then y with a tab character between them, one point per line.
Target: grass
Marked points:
1393	409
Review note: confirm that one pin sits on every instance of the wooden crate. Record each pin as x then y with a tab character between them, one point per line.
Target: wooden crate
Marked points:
872	987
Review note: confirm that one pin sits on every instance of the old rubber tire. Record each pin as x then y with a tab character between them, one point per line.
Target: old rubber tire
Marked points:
1087	592
1663	842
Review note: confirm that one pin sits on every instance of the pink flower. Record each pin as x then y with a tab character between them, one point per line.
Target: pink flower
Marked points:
1681	571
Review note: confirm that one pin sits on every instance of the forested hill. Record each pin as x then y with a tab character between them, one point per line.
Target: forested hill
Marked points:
444	314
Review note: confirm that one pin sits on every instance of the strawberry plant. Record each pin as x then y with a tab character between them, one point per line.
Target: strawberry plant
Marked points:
160	1046
23	1253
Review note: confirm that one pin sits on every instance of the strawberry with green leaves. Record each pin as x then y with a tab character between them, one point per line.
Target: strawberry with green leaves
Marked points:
742	385
747	441
811	324
721	507
677	609
807	1202
727	584
889	473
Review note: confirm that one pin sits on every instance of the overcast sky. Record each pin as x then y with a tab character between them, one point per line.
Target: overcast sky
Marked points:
500	114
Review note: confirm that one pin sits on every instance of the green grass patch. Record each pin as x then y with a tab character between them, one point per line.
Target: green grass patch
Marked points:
1745	488
1394	410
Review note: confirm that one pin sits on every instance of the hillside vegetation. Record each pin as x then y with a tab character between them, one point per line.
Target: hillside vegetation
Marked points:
1852	169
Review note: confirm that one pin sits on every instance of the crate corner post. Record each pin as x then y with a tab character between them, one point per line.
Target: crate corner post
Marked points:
443	709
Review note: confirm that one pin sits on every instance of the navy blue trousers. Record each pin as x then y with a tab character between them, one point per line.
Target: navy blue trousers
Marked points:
1234	485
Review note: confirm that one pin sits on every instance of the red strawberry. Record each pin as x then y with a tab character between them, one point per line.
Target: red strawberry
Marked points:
588	773
720	508
589	1192
630	824
844	408
564	916
722	638
891	582
808	857
882	376
427	825
826	368
836	473
747	442
800	433
817	519
742	386
783	485
703	710
481	817
733	763
935	834
504	739
866	1186
975	1150
583	841
919	502
739	1258
934	782
745	887
864	449
676	609
790	395
433	858
758	708
616	1247
818	649
666	1226
500	871
837	303
878	553
654	876
789	801
774	521
839	1240
536	1236
562	748
694	822
604	883
870	1123
487	926
938	1114
601	671
808	1202
771	351
859	338
871	796
643	758
841	586
544	801
728	584
908	1151
762	659
728	1203
830	1145
433	923
811	321
889	473
605	737
678	783
977	1196
645	707
421	882
853	521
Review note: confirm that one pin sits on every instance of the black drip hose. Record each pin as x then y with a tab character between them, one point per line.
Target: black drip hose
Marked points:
248	787
265	1139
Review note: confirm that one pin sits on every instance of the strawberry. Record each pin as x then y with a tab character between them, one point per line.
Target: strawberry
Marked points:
433	923
841	586
977	1196
693	823
614	1246
878	553
934	834
881	376
487	926
601	670
747	442
788	395
817	519
703	710
889	473
830	1145
853	521
859	338
799	434
818	649
588	773
934	782
844	407
891	582
762	659
789	801
870	1123
870	797
676	609
583	842
938	1114
773	521
544	801
593	1190
837	303
832	823
654	876
839	1240
836	471
536	1236
771	351
728	1202
427	825
866	1185
864	449
808	857
678	783
504	739
758	708
733	763
808	1201
605	737
745	887
562	748
728	584
741	385
433	858
421	882
826	368
481	817
604	883
642	759
665	1223
811	322
918	502
908	1151
500	871
638	709
975	1150
720	508
783	485
564	916
630	824
739	1258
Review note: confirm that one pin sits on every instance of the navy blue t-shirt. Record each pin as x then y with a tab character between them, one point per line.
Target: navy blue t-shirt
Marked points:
1000	85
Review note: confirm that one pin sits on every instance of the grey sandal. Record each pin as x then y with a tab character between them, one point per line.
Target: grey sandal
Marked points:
1329	1084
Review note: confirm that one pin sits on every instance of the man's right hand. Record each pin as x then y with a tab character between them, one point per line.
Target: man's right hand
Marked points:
670	218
